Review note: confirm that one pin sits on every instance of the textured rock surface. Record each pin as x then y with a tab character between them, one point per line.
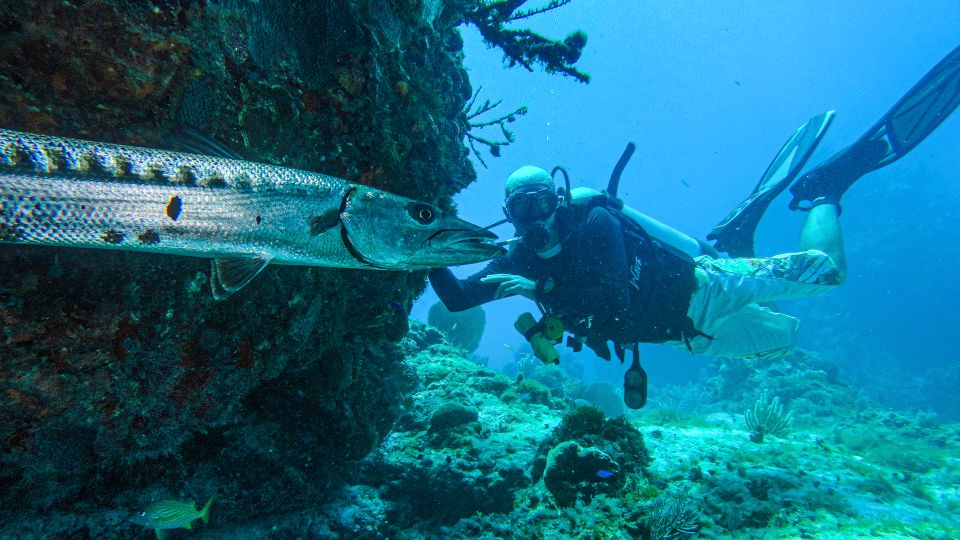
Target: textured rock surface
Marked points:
494	478
451	415
121	379
575	473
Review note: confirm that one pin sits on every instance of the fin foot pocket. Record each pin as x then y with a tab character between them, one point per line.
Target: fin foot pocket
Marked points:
920	111
734	234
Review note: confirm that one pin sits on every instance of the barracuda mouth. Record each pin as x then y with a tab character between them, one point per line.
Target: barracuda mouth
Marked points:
459	241
445	247
393	233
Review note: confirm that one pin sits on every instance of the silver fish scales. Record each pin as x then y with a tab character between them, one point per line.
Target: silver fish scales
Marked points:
73	193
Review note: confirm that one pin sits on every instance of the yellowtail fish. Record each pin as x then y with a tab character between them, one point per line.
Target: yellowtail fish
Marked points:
244	215
163	515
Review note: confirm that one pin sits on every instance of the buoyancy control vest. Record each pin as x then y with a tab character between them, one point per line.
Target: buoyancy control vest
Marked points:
661	273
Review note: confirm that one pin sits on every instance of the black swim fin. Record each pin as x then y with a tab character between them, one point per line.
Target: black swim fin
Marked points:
734	234
916	115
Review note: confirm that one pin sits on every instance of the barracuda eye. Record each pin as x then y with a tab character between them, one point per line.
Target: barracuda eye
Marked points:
424	214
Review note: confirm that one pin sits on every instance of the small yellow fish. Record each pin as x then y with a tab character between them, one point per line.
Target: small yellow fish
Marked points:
169	514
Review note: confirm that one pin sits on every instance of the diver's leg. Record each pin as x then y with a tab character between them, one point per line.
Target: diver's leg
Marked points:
822	231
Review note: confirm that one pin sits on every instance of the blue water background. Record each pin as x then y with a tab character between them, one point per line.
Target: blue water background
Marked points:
709	91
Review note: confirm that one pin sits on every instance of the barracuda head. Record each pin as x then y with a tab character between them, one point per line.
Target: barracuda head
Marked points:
395	233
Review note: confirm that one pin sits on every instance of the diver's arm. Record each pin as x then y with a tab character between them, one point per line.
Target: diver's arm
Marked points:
460	294
598	290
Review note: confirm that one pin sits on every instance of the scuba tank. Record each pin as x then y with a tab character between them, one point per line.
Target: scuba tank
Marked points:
658	231
582	197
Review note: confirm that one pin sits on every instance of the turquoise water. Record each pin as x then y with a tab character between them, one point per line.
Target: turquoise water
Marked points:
709	92
316	402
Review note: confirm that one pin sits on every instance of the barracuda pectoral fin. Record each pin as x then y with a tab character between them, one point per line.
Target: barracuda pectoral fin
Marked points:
230	274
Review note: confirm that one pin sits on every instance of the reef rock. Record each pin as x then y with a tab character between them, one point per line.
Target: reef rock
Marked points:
574	472
451	415
122	379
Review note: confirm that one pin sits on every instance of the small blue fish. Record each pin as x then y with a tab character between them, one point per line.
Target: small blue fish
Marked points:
603	473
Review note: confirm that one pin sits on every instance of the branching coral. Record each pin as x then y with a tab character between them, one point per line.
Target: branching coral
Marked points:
673	516
525	47
501	121
767	418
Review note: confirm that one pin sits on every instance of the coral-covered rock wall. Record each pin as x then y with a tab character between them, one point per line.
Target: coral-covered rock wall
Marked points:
121	379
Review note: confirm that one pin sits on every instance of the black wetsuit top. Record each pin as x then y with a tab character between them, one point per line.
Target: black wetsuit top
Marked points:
629	291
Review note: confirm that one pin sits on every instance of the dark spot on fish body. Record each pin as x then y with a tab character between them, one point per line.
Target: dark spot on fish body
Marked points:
259	219
123	167
11	233
149	236
324	222
20	158
158	176
215	181
57	160
174	207
102	163
112	236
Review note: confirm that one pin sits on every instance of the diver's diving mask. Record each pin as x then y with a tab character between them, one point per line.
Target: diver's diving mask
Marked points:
526	207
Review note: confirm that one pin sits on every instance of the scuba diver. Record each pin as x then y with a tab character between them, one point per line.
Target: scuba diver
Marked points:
607	274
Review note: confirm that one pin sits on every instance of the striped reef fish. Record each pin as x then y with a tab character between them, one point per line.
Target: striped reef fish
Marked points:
244	215
169	514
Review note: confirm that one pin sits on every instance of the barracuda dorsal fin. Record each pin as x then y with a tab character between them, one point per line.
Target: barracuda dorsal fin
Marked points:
230	274
190	140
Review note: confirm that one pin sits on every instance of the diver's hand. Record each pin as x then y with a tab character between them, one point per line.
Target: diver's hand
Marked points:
511	285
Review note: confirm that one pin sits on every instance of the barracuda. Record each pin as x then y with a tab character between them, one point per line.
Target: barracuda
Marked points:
72	193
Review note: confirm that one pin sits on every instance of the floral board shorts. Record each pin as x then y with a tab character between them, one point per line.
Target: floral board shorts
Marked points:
726	304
